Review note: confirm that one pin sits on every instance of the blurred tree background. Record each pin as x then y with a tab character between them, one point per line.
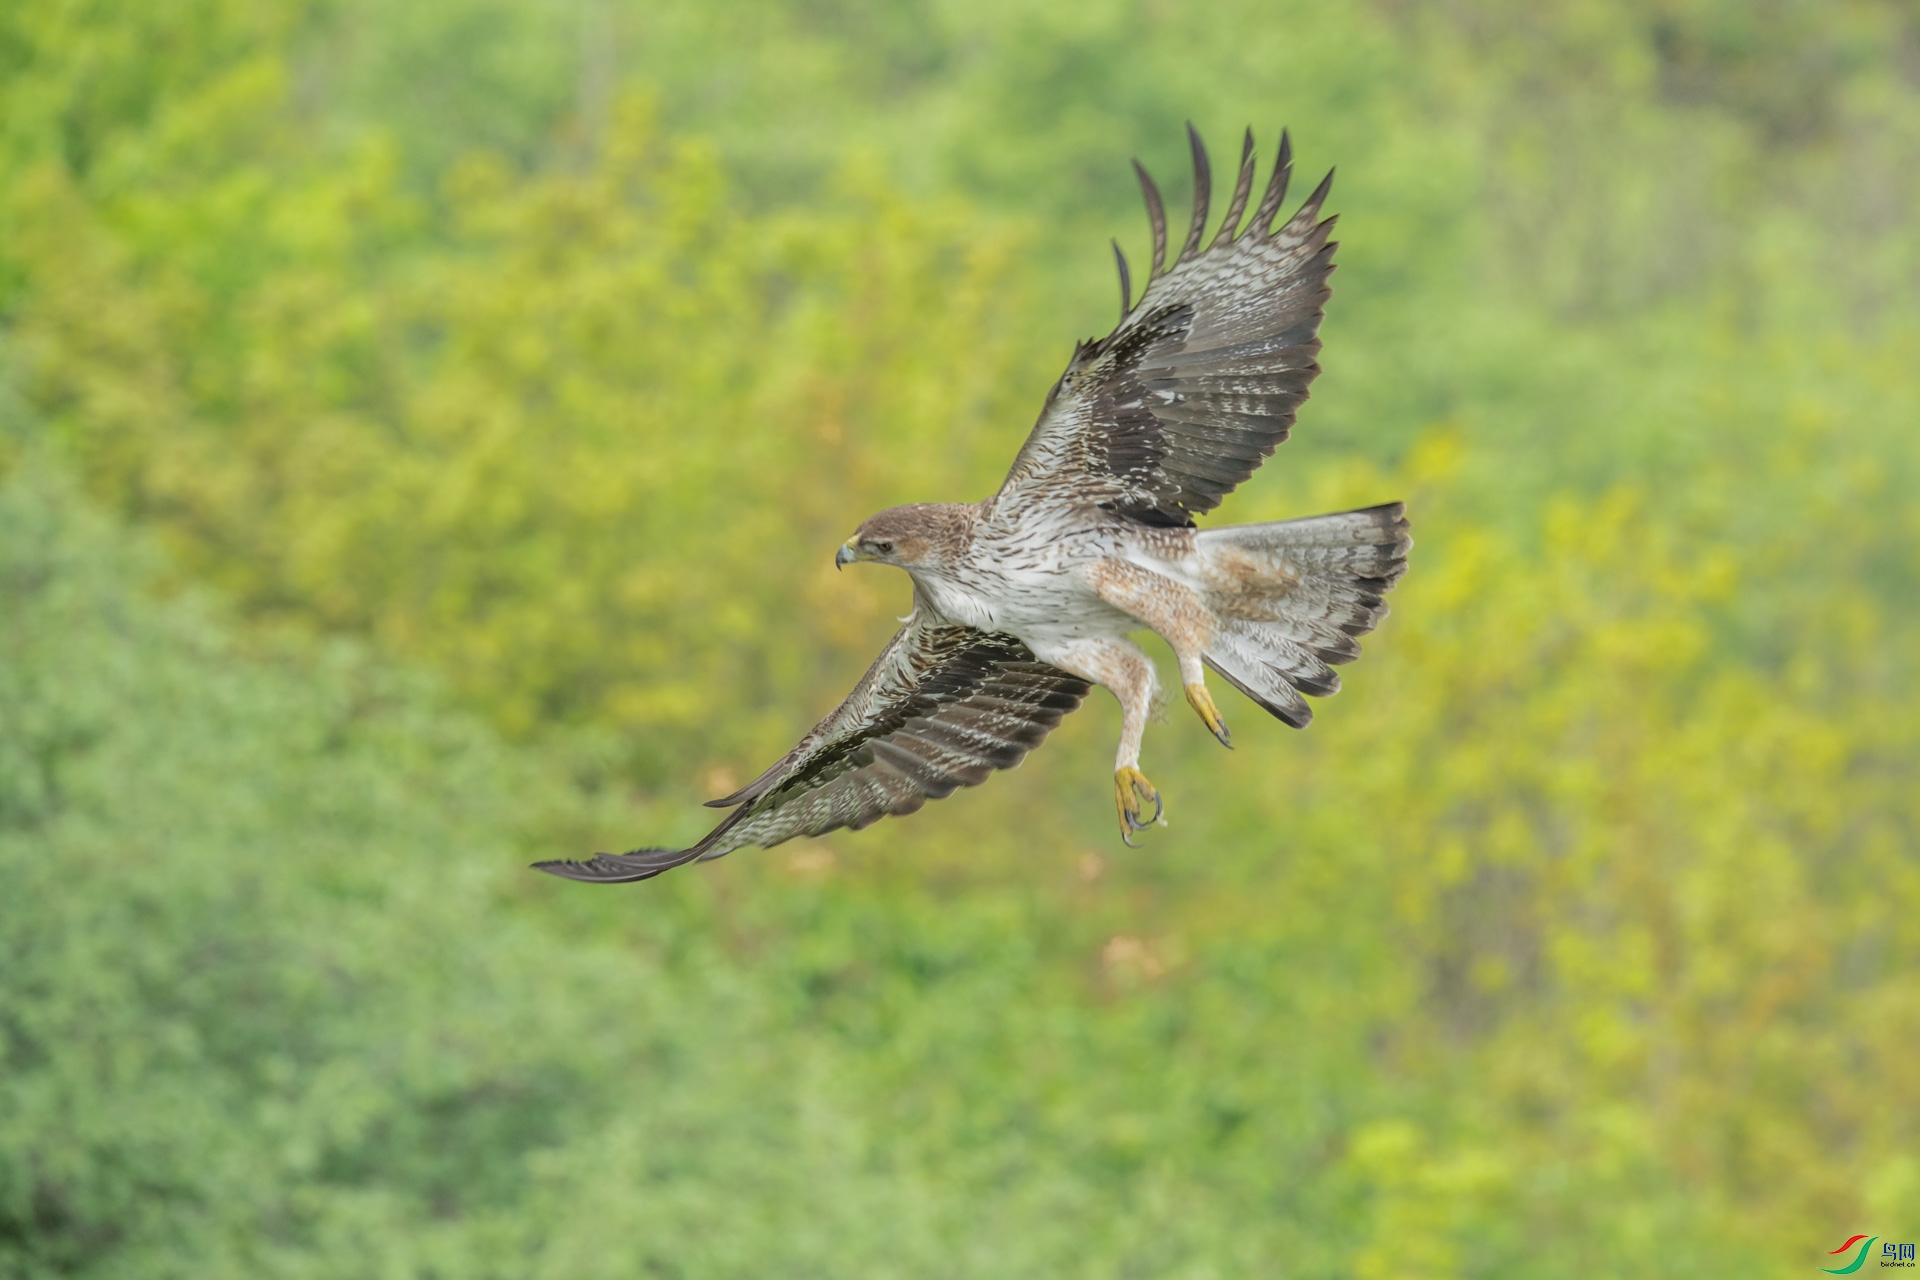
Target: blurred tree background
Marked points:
424	432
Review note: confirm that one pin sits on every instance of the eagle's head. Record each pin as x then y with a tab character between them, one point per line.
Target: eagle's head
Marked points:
924	535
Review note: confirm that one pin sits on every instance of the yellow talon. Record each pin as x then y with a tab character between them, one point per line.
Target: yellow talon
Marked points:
1202	702
1131	791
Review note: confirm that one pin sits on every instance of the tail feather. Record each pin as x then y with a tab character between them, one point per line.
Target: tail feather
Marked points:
1293	595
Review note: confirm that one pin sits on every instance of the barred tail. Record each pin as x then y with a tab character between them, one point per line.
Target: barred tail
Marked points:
1292	596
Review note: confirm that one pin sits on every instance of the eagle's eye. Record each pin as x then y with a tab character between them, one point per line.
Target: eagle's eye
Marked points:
883	548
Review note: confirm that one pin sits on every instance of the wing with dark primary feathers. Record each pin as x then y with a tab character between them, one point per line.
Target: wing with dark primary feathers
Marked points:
941	708
1200	380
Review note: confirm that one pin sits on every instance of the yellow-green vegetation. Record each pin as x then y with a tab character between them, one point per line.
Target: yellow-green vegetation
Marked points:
424	434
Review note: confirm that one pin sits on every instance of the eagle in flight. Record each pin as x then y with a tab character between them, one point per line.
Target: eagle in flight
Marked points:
1025	601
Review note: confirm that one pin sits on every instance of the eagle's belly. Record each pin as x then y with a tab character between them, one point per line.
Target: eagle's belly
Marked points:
1039	597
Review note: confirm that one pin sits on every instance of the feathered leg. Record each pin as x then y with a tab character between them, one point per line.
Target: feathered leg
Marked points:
1178	614
1124	668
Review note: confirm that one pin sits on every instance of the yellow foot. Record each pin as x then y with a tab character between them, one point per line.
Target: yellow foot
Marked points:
1203	703
1131	791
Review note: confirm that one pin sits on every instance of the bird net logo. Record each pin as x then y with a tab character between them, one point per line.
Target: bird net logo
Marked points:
1891	1254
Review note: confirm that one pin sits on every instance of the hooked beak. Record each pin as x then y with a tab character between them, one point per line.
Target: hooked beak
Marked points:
845	556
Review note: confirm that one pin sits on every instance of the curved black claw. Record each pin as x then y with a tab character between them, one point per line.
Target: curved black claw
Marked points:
1202	702
1130	789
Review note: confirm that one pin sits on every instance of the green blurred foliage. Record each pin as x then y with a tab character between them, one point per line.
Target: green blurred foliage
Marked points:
546	352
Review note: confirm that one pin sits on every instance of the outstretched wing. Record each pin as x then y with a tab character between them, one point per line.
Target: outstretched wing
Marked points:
941	708
1200	380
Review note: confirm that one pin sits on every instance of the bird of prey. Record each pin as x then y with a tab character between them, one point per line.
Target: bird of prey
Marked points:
1024	601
